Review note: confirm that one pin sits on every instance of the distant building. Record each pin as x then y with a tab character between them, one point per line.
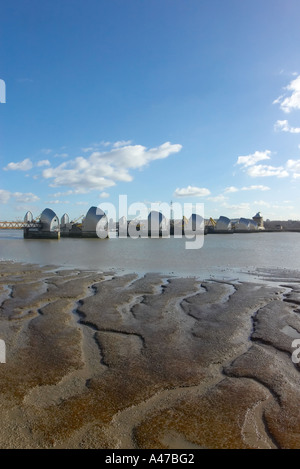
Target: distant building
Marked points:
242	225
253	226
282	225
28	217
48	227
194	224
66	227
245	224
89	226
90	223
223	225
259	220
157	224
65	219
49	220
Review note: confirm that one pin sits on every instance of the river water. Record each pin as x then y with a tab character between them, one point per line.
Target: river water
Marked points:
222	255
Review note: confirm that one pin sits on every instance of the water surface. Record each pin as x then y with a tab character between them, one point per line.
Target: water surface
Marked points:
220	254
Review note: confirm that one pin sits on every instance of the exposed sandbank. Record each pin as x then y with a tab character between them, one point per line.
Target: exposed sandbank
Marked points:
100	360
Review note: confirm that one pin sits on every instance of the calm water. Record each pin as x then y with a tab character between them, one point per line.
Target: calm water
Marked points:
221	255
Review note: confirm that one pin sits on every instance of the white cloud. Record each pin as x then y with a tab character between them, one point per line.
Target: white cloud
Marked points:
262	203
253	158
25	197
289	103
285	127
59	194
263	170
62	155
231	189
102	169
95	146
43	163
294	167
46	151
104	195
278	100
4	196
260	170
256	188
24	165
122	143
71	192
217	198
87	149
54	202
191	191
244	209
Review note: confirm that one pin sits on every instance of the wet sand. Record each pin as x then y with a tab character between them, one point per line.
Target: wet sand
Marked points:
101	360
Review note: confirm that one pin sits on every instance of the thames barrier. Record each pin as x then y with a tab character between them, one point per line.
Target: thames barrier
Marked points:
48	226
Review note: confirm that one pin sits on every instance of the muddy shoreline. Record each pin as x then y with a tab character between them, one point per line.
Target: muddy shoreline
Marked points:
103	360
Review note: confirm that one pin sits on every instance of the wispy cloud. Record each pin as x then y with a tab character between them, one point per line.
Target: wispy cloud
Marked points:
248	163
122	143
25	197
4	196
61	155
87	149
104	195
256	188
102	170
233	189
262	203
263	170
237	210
253	158
285	127
62	194
217	198
43	163
291	102
57	201
230	189
191	191
294	167
24	165
96	145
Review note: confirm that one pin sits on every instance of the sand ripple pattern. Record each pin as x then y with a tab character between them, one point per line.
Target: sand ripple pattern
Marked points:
100	360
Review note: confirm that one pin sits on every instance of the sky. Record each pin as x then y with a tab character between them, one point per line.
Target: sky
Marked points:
189	101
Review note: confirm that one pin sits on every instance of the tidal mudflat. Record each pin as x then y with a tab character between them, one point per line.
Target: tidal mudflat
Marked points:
103	360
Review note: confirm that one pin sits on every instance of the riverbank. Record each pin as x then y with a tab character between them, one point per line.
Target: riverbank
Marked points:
102	360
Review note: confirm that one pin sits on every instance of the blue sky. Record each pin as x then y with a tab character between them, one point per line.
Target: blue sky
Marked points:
182	100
